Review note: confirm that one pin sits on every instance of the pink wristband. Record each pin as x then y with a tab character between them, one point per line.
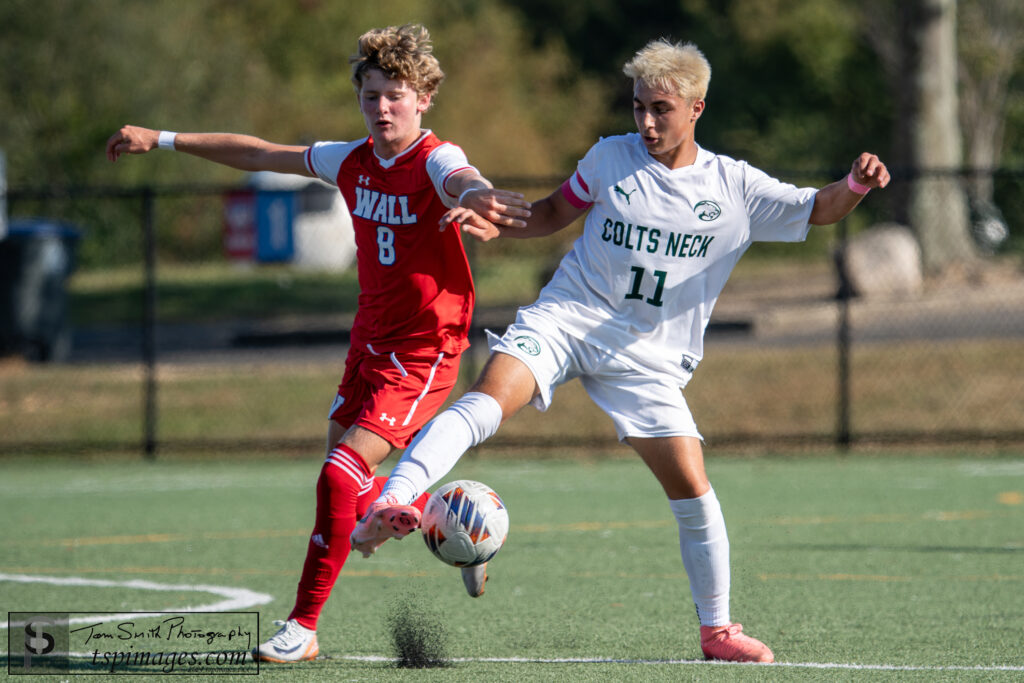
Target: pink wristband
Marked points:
855	186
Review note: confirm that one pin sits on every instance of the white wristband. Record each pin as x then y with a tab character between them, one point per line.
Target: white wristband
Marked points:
166	140
458	202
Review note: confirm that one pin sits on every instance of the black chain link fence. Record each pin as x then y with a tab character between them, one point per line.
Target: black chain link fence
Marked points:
179	322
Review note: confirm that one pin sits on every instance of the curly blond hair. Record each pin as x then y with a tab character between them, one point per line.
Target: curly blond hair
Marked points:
403	53
678	68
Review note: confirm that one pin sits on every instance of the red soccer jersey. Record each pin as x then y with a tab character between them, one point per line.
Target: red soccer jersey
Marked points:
416	291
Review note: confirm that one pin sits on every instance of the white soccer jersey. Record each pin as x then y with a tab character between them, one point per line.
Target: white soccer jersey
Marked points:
658	246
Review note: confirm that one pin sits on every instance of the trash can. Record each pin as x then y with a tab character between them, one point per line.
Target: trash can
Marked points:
36	258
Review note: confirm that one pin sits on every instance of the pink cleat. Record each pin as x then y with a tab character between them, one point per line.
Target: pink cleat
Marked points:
382	521
729	644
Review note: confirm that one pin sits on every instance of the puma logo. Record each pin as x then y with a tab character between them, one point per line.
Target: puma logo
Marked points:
625	194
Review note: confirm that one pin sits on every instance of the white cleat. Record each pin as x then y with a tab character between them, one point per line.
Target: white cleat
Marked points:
293	643
474	578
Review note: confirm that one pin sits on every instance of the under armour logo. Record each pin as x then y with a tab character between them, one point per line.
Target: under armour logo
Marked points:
364	180
390	420
318	540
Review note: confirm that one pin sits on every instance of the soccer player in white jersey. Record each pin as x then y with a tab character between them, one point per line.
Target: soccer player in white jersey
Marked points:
625	312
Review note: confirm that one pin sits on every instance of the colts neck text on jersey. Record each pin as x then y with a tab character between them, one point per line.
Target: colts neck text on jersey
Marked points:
642	238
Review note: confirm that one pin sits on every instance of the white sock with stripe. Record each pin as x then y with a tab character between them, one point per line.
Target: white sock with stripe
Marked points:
704	545
433	453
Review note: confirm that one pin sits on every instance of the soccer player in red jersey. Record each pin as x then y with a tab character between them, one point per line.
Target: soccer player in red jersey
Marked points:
416	293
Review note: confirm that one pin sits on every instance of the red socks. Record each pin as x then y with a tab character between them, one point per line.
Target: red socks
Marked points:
343	492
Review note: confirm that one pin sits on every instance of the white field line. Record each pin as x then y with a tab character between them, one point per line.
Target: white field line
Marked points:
238	599
606	660
838	666
235	599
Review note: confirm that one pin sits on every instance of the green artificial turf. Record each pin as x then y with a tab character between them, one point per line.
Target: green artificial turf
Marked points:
874	567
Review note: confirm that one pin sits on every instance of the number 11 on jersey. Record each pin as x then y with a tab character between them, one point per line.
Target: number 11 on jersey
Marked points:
638	284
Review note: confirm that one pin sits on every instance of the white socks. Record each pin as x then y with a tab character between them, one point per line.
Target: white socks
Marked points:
705	548
476	416
439	445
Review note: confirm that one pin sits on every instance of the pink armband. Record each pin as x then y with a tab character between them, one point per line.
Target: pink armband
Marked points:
571	197
855	186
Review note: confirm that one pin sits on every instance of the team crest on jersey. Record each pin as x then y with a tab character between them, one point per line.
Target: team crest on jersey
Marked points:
527	344
707	210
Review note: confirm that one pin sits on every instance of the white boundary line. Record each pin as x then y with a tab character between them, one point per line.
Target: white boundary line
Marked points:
236	599
839	666
607	660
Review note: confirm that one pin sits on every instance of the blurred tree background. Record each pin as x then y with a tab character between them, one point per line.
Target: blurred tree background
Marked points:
797	85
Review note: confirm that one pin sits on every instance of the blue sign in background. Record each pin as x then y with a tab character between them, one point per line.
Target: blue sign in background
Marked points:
275	218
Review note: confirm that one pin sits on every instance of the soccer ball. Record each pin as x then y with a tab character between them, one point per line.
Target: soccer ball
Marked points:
464	523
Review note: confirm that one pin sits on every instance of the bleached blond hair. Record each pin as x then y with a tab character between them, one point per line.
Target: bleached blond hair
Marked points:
403	53
678	68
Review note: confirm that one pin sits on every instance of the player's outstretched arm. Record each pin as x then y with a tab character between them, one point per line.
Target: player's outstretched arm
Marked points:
834	202
471	223
547	216
542	218
500	207
243	152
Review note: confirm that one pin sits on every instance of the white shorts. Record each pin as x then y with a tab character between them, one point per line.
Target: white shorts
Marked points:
640	403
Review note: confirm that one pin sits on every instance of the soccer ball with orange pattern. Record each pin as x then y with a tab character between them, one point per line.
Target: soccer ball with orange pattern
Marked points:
465	523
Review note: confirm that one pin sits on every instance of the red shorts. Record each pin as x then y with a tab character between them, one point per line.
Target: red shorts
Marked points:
393	395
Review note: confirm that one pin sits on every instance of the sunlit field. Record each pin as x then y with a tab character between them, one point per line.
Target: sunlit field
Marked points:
884	566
